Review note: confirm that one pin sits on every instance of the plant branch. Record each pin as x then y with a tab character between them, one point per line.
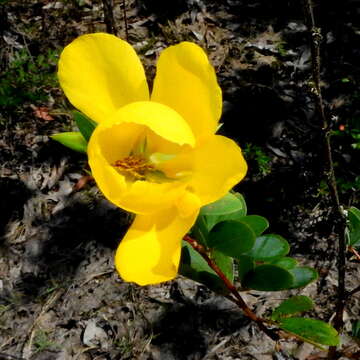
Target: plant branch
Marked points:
353	291
125	21
234	294
340	220
357	255
109	17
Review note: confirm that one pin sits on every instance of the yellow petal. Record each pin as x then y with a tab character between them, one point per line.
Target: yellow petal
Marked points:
218	167
186	82
161	119
114	139
99	73
187	204
150	251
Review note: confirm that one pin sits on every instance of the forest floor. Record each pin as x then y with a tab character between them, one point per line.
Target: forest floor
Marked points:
60	297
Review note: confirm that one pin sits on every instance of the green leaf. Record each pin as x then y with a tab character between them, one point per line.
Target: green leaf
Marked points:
225	263
354	226
194	267
303	275
73	140
85	124
228	204
285	262
292	306
244	265
268	278
312	330
200	231
232	238
269	247
229	207
258	223
356	329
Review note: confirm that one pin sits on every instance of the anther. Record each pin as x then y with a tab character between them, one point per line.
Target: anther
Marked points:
134	167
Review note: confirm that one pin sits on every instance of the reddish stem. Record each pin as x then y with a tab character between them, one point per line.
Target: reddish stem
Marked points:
357	255
236	298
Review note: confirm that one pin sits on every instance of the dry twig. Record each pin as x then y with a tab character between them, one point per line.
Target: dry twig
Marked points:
109	17
340	220
125	21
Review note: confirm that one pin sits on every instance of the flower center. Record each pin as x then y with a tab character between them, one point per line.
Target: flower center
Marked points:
134	167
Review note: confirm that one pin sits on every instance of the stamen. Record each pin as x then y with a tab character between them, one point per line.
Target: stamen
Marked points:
135	167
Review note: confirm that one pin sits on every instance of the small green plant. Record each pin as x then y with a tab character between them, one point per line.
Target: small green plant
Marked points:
355	134
124	345
254	153
42	342
27	78
281	48
4	308
352	130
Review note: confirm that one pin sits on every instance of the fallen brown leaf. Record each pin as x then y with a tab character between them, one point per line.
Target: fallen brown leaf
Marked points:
42	112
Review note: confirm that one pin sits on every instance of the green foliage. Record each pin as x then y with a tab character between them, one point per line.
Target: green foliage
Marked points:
268	277
347	137
77	140
27	79
311	330
352	129
72	139
229	207
200	230
193	266
261	262
85	125
285	262
292	306
232	238
225	263
255	154
245	265
125	345
355	134
353	229
356	329
303	275
269	247
42	342
281	48
258	223
4	308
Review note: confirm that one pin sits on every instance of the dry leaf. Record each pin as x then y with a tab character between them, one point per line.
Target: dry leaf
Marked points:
42	112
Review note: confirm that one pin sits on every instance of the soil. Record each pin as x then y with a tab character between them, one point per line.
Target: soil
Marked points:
60	297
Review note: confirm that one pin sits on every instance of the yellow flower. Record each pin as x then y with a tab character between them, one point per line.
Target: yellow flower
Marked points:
156	156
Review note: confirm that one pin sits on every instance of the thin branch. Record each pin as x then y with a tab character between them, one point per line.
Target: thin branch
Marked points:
125	21
235	296
357	255
340	220
4	356
109	17
353	291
